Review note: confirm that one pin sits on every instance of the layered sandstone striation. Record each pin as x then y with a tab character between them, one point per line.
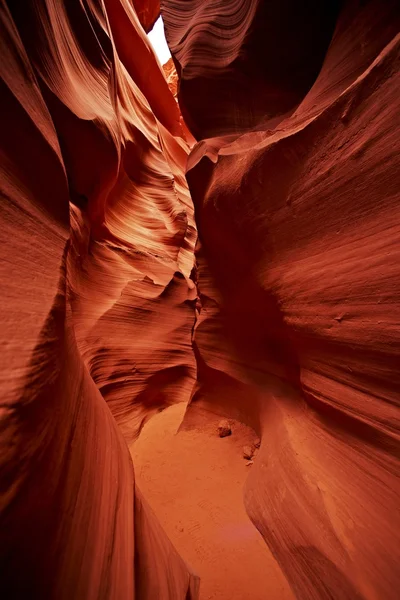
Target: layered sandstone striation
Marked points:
295	181
286	316
171	76
97	251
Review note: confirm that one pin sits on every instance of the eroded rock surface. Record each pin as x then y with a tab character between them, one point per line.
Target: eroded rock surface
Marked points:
224	428
295	181
287	318
97	250
171	76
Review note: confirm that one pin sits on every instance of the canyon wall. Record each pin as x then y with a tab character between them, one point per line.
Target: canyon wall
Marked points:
286	318
295	180
97	237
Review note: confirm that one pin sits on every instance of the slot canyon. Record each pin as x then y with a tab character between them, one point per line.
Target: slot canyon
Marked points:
200	300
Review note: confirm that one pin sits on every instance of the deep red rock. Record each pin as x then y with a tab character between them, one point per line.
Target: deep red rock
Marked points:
287	318
243	62
296	198
97	250
148	12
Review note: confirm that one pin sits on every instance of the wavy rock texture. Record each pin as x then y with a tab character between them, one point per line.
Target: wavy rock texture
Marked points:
97	238
234	67
171	76
295	181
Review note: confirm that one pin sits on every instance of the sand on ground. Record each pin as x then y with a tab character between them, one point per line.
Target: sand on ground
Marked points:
194	482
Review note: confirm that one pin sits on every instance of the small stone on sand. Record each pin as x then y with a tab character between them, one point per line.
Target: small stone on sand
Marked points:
248	452
224	428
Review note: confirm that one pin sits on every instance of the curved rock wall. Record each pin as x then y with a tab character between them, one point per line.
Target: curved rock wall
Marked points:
97	311
295	181
298	273
240	61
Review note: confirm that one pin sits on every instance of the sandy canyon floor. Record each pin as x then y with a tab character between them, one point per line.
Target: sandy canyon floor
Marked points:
194	480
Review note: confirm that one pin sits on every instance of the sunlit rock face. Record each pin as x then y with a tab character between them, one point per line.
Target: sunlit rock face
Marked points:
171	76
295	181
286	317
97	302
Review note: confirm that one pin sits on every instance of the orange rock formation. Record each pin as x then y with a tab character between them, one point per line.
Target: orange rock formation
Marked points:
285	317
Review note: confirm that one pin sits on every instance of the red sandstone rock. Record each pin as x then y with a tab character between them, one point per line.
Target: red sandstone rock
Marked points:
295	181
224	428
248	452
242	63
171	76
148	12
97	250
299	222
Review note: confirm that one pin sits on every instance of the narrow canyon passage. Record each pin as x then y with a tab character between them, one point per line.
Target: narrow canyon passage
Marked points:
215	237
193	480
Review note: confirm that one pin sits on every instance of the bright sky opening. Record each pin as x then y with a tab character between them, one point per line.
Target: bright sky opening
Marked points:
157	39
